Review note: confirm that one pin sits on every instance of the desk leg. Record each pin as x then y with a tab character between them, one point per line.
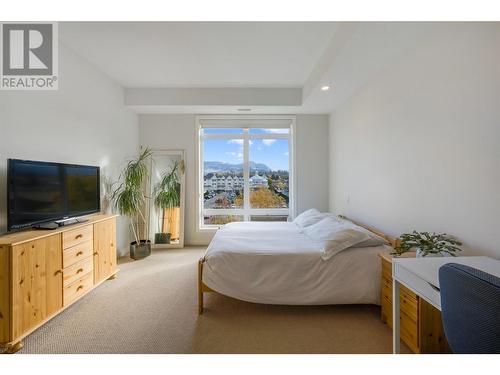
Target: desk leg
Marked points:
395	317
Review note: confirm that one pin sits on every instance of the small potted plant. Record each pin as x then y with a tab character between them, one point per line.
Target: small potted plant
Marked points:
428	245
129	200
167	195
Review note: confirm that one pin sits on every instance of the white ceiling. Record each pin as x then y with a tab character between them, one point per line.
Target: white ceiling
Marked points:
363	52
201	54
264	56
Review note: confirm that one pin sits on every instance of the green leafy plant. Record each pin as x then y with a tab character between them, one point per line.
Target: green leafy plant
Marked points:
167	192
427	243
129	198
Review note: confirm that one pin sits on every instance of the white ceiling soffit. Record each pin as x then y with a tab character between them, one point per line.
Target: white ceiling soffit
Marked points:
213	96
218	109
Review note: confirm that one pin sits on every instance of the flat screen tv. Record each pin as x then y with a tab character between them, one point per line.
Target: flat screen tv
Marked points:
40	192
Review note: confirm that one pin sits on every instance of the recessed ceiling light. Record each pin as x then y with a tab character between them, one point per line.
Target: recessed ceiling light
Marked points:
325	88
244	109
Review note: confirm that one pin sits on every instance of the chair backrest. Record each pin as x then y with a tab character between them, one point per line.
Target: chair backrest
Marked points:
470	306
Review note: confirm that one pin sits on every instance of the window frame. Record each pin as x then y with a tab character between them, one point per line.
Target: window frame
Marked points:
253	121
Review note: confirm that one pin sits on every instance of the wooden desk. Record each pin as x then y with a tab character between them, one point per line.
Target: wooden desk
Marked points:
421	276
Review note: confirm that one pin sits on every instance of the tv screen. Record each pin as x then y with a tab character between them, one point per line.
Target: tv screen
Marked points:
40	192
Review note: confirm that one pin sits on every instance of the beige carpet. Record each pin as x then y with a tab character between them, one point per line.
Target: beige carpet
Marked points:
152	308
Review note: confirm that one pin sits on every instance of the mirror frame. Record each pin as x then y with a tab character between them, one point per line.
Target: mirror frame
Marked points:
150	205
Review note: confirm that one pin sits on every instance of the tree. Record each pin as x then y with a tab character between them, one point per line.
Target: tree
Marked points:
222	202
222	219
262	198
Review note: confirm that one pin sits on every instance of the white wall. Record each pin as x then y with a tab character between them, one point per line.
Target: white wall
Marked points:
84	122
311	162
170	131
419	146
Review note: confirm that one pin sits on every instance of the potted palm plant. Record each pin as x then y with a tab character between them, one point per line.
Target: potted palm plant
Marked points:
428	244
129	200
167	195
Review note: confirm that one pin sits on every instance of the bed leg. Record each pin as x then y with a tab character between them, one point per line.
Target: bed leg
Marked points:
200	287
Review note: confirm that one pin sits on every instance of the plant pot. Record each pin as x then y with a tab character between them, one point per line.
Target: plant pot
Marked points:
141	250
162	238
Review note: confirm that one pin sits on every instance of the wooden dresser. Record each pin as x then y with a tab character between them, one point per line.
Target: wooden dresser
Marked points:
420	323
44	272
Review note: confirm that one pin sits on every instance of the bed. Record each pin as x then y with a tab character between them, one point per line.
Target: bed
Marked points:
277	263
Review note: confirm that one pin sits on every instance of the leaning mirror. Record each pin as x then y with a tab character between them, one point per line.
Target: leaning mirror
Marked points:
166	203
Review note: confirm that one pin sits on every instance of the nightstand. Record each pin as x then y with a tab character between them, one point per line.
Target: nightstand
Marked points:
421	327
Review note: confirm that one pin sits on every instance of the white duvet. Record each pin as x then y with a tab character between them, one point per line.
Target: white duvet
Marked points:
275	263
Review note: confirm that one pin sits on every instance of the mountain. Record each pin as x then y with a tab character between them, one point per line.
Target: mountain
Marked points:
219	166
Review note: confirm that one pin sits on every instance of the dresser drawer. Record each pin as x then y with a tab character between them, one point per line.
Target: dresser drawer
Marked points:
76	253
407	292
386	314
386	290
408	304
77	236
73	291
422	287
386	269
77	270
386	303
409	331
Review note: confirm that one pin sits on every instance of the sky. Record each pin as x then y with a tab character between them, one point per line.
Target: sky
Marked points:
272	152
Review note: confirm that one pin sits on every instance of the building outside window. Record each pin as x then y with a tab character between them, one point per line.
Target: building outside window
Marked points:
245	169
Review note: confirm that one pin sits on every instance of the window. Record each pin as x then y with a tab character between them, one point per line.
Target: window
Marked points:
245	169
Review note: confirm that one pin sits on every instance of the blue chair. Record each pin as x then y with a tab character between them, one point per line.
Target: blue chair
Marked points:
470	308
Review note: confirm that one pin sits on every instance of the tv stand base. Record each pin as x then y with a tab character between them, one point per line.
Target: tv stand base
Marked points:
57	224
47	226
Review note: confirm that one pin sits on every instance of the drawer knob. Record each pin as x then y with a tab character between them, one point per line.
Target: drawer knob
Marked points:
79	253
57	272
79	236
79	270
79	287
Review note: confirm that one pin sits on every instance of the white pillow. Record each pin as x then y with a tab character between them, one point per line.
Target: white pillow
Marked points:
334	237
308	218
326	226
373	239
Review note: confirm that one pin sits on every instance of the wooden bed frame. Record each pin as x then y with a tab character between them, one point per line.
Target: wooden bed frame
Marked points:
202	288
